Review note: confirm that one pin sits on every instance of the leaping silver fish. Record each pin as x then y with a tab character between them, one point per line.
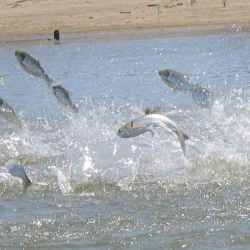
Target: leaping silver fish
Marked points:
176	80
8	112
62	96
146	123
32	66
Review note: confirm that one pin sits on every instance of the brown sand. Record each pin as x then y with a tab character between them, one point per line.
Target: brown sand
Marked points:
40	17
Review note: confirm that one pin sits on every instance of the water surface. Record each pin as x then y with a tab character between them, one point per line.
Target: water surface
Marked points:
105	192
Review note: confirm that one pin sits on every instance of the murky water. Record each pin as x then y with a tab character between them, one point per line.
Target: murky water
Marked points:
104	192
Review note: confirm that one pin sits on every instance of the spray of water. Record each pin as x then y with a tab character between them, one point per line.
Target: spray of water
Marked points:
83	153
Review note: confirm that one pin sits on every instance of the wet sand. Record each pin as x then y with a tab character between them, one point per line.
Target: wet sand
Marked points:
31	18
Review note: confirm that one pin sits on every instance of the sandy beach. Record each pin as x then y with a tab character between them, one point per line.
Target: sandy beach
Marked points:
24	18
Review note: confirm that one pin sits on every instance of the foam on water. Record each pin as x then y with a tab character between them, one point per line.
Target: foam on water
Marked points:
85	147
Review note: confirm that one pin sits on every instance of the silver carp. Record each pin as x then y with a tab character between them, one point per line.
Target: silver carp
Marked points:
175	80
146	123
32	66
181	82
62	96
8	112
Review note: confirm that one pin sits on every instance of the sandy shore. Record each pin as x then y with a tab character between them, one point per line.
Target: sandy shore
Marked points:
24	18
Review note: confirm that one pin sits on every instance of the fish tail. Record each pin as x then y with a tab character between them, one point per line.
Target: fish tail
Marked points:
18	171
182	138
26	183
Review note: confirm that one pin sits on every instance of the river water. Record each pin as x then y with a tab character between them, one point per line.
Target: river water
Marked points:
104	192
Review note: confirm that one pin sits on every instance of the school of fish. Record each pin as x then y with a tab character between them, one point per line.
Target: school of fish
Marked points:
138	126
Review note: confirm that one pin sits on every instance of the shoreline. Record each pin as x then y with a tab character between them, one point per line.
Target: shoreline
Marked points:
30	20
125	34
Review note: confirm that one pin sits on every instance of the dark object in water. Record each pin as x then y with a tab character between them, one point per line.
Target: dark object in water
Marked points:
56	35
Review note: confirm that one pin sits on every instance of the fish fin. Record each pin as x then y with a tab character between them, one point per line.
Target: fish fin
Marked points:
182	137
18	171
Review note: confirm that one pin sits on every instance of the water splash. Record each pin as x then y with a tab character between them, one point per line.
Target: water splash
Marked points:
85	148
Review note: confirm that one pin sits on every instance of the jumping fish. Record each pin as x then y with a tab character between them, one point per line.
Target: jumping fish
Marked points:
62	96
175	80
8	112
146	123
32	66
17	170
